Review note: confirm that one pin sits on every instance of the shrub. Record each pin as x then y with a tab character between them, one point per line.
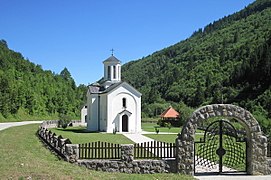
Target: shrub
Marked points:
160	122
64	121
156	129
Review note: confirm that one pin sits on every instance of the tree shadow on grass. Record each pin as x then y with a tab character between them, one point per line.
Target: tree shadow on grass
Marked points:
76	130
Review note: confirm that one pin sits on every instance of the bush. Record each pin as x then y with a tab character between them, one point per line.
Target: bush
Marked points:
64	121
156	129
185	112
161	123
168	125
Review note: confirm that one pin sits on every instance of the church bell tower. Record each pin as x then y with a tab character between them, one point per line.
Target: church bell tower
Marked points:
112	70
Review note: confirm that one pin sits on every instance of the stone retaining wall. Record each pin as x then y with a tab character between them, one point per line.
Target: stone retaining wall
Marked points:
136	166
54	123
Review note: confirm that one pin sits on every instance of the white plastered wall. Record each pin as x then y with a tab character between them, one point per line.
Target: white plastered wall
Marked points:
115	107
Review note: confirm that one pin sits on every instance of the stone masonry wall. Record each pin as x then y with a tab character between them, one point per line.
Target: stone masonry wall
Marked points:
136	166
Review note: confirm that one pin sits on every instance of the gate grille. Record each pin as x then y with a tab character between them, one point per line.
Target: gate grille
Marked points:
222	149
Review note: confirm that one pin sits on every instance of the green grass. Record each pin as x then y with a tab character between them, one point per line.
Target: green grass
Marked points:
79	135
149	127
150	120
23	156
169	138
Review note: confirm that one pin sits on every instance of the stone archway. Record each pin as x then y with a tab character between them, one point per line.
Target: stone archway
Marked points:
257	143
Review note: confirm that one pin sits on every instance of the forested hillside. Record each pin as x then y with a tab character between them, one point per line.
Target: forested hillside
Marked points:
29	92
228	61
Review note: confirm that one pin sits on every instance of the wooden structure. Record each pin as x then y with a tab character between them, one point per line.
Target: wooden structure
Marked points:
170	114
99	150
146	150
154	150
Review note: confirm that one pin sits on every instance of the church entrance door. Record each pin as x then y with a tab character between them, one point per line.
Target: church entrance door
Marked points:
125	123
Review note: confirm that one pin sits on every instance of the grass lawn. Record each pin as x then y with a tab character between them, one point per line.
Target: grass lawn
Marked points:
23	156
169	138
150	128
79	135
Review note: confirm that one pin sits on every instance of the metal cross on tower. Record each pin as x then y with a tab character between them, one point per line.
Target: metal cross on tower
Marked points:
112	51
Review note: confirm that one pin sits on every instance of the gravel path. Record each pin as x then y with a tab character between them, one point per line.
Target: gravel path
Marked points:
138	138
233	176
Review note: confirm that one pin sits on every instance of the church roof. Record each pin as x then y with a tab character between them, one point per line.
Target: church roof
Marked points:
113	86
125	112
94	89
111	59
170	113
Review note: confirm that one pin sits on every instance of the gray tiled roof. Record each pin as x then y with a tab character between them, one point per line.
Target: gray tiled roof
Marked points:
113	86
112	59
94	89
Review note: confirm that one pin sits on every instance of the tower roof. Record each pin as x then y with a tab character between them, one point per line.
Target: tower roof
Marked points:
170	113
111	59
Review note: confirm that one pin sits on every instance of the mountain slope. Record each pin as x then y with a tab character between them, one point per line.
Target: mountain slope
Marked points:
29	92
228	61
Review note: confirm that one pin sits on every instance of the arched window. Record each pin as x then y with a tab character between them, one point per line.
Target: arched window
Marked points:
124	102
114	72
109	72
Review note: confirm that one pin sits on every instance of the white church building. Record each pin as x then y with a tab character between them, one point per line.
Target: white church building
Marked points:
113	105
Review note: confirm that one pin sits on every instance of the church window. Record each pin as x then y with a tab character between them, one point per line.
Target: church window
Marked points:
124	102
114	72
109	72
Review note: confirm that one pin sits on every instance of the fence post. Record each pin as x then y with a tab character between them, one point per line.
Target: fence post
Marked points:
50	137
47	135
127	152
72	152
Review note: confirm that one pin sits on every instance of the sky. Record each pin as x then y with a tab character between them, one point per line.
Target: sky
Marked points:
79	34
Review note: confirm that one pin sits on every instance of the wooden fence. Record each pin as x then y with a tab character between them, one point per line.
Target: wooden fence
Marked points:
146	150
105	150
99	150
154	150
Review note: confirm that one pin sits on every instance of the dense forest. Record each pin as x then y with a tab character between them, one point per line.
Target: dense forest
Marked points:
29	92
228	61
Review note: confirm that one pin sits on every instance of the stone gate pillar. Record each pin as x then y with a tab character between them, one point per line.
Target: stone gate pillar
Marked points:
127	152
257	143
